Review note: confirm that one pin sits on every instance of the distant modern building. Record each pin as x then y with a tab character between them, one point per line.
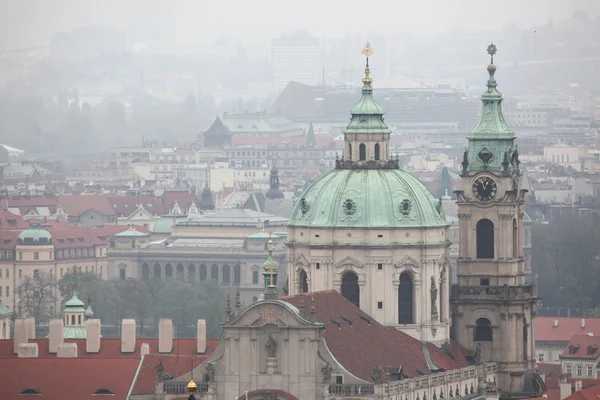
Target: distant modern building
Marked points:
296	57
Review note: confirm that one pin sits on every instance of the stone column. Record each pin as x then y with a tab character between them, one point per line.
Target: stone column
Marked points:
417	300
365	304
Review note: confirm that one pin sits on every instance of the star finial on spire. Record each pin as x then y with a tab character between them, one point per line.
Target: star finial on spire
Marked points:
367	50
491	50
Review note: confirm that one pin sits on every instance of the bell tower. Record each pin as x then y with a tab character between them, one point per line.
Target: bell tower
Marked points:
493	306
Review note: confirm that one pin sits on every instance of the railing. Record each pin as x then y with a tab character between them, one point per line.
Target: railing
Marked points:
499	292
351	390
184	250
181	387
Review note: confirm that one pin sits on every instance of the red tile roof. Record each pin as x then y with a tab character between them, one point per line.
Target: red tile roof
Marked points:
566	329
10	221
360	343
65	235
553	383
76	205
582	346
124	206
174	365
66	379
591	393
549	370
30	204
109	348
8	239
183	199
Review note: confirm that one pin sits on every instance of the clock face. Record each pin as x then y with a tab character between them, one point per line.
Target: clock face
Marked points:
484	188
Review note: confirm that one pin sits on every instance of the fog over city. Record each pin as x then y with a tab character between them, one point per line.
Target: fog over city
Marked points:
316	200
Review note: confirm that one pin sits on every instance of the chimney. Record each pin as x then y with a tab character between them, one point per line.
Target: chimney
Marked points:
67	350
20	334
57	335
589	334
128	336
92	341
201	336
582	323
165	335
555	323
145	349
30	328
565	390
28	350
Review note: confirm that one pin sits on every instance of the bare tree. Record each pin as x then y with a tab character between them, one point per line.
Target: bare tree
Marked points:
37	297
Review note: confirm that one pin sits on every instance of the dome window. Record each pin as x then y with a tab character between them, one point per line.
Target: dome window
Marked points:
349	207
405	206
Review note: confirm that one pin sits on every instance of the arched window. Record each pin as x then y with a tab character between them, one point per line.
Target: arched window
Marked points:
203	273
79	320
405	299
214	272
72	320
377	151
362	152
191	273
483	330
349	151
303	282
226	275
145	271
485	238
122	274
525	338
350	288
237	274
180	272
515	239
168	271
442	293
157	271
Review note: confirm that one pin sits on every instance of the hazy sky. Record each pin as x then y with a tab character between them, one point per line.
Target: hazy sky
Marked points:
193	21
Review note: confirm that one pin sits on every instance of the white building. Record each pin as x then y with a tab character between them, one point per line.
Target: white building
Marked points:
296	57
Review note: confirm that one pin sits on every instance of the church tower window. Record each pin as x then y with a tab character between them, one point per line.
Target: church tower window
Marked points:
483	330
405	299
350	288
485	238
515	239
303	282
362	152
377	150
157	271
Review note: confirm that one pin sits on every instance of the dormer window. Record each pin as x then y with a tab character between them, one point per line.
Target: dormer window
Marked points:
103	392
29	392
573	349
591	350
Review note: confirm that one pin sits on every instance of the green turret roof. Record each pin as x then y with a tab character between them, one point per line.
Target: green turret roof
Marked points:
367	115
491	142
89	313
34	236
74	304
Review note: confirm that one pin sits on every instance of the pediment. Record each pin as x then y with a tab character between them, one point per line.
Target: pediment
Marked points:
300	259
136	214
269	312
407	260
349	261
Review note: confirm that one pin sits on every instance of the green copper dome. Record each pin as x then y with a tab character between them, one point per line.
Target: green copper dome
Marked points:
35	236
368	198
74	304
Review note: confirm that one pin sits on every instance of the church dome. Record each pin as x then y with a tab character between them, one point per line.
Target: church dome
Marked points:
34	236
368	198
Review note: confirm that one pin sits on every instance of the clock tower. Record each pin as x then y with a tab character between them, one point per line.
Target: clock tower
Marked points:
493	307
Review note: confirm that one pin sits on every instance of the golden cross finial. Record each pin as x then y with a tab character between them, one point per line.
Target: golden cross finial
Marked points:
271	269
367	50
270	240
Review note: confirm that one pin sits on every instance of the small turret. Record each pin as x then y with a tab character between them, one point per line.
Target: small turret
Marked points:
206	200
274	192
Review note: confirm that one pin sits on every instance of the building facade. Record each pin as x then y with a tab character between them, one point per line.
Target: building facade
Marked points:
493	306
374	232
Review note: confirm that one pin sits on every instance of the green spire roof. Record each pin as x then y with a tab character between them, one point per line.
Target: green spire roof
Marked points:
89	313
367	115
4	310
491	141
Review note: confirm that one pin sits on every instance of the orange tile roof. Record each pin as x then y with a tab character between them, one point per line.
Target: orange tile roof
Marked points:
567	328
75	205
591	393
360	343
581	346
